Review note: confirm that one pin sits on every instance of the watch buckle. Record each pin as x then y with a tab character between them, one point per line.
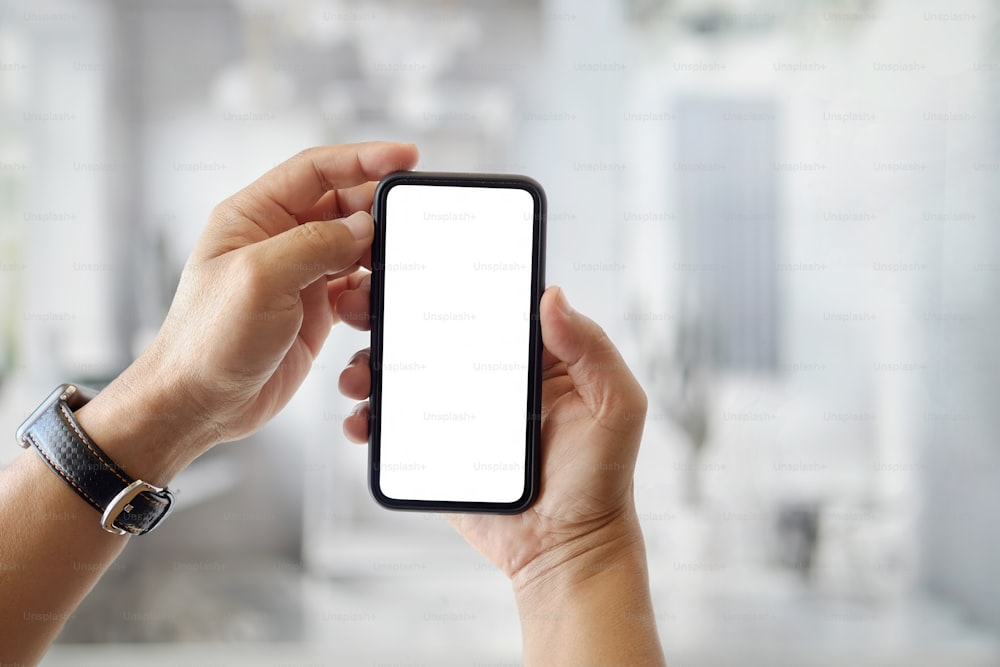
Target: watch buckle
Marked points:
123	503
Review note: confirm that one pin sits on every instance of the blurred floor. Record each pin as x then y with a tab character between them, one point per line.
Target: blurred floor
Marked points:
405	621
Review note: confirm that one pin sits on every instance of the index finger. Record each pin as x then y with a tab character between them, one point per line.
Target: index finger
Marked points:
298	183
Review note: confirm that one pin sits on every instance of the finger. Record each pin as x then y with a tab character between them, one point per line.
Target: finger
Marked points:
551	364
340	203
599	373
337	286
356	379
317	320
308	252
552	367
354	306
298	183
273	203
358	198
356	423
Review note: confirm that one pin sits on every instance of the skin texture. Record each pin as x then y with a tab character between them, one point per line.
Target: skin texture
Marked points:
278	265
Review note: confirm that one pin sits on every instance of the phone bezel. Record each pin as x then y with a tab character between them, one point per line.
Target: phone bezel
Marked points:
532	463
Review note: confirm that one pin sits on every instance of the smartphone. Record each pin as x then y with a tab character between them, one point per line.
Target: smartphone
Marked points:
456	347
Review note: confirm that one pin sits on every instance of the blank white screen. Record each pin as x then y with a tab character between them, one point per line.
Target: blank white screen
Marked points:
456	325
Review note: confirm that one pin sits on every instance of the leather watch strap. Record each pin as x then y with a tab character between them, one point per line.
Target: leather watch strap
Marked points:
127	505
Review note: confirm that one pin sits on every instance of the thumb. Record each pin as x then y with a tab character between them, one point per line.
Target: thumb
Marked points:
302	255
600	375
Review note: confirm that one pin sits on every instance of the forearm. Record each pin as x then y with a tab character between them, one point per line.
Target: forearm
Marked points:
53	549
52	553
593	608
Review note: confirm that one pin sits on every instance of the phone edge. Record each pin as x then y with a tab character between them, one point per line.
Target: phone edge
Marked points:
533	460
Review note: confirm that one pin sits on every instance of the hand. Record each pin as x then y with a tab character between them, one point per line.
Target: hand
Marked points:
593	412
254	305
576	557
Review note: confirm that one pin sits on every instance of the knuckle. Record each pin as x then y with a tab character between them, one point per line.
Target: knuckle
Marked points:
309	157
640	399
221	211
306	153
320	247
323	238
239	208
317	236
602	340
226	213
248	270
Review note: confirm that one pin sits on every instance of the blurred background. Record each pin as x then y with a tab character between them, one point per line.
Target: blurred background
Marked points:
785	212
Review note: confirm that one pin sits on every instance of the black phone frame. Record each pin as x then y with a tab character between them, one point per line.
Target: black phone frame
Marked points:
532	463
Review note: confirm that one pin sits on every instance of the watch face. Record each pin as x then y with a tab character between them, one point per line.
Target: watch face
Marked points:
61	393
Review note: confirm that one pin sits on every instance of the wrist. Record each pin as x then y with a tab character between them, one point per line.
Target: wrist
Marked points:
144	422
588	601
614	547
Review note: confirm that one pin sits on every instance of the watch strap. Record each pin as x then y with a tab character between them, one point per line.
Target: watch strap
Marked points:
94	476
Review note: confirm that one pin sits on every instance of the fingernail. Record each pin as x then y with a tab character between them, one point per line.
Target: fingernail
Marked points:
360	225
562	303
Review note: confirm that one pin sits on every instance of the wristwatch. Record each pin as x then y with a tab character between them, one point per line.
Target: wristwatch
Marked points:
126	505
